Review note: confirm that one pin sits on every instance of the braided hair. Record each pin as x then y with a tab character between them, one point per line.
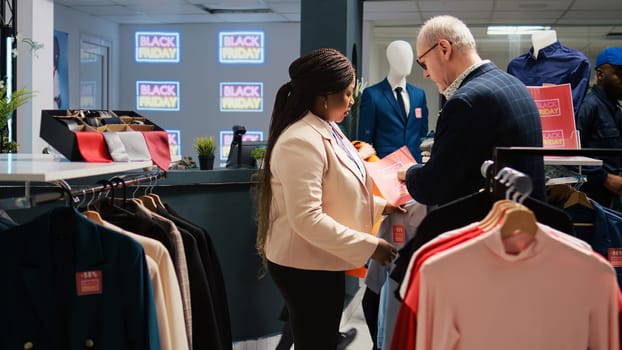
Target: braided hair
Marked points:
320	72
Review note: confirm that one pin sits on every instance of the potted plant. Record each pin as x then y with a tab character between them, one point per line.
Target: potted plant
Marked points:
258	154
205	148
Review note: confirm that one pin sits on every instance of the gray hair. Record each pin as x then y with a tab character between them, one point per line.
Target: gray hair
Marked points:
449	28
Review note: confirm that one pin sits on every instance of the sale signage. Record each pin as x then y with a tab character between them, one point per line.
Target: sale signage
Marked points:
226	136
157	47
241	47
554	103
241	97
157	95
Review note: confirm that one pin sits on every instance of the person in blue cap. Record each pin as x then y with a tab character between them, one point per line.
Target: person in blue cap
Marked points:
599	121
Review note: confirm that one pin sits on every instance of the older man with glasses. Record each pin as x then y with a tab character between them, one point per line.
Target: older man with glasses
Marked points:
486	108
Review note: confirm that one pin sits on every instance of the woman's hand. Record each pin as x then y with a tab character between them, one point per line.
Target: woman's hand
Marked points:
385	253
366	150
390	209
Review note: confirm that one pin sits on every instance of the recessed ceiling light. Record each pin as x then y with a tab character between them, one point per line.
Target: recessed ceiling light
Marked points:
515	30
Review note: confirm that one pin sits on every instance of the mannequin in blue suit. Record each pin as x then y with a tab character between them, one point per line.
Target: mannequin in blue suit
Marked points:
381	123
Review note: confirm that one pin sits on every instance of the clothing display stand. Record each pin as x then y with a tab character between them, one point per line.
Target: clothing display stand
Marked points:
29	168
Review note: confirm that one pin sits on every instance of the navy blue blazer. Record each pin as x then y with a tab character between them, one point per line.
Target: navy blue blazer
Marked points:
38	289
490	109
381	123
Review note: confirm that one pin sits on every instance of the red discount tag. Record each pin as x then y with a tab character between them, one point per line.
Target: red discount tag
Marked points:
615	256
89	282
399	234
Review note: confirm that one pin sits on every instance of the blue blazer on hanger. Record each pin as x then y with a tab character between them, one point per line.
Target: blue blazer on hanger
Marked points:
381	123
50	299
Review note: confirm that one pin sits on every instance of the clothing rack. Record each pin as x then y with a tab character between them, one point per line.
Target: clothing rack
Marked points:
516	183
65	192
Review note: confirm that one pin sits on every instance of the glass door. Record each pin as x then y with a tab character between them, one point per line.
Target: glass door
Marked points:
94	73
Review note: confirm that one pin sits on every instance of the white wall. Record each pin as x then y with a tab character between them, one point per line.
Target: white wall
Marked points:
34	70
77	25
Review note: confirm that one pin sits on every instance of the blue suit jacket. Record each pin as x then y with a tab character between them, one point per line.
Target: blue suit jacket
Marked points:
381	123
38	294
490	109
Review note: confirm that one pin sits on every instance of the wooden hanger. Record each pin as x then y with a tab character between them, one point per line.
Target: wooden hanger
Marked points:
580	198
495	214
505	176
94	216
149	202
571	196
518	219
157	200
511	215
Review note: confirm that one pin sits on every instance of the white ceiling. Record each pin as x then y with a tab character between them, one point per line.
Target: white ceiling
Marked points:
395	13
583	24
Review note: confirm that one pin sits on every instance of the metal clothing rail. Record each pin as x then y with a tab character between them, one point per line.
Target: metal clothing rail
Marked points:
64	191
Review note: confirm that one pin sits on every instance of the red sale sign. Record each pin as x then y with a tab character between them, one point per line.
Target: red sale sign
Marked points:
554	103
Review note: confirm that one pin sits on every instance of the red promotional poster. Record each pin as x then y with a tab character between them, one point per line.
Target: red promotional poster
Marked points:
384	174
556	114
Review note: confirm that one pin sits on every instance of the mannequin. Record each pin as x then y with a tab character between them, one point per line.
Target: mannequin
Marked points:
382	123
550	62
400	57
542	39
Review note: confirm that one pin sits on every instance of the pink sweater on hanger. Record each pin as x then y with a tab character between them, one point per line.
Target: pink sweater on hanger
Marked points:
552	295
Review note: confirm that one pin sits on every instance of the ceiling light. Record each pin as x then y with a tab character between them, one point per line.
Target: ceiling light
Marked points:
515	30
233	10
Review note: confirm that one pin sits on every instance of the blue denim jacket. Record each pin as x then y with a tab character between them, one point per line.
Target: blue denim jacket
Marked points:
607	234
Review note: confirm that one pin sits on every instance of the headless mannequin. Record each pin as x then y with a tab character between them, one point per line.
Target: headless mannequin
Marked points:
400	57
558	64
542	39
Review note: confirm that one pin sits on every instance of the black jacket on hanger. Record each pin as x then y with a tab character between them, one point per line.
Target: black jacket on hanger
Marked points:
205	326
212	267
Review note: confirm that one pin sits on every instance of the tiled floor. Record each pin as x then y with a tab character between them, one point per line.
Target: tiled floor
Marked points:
352	317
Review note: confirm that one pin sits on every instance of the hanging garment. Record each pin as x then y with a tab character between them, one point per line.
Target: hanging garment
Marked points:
555	64
169	306
213	270
131	219
68	283
206	331
397	229
476	296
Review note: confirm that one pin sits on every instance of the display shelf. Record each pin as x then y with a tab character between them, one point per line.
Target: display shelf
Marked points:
47	168
572	160
566	180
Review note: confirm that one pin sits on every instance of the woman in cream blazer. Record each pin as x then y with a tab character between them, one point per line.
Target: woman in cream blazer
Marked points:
315	203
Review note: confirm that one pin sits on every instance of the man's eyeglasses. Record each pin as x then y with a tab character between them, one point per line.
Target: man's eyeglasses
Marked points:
423	65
